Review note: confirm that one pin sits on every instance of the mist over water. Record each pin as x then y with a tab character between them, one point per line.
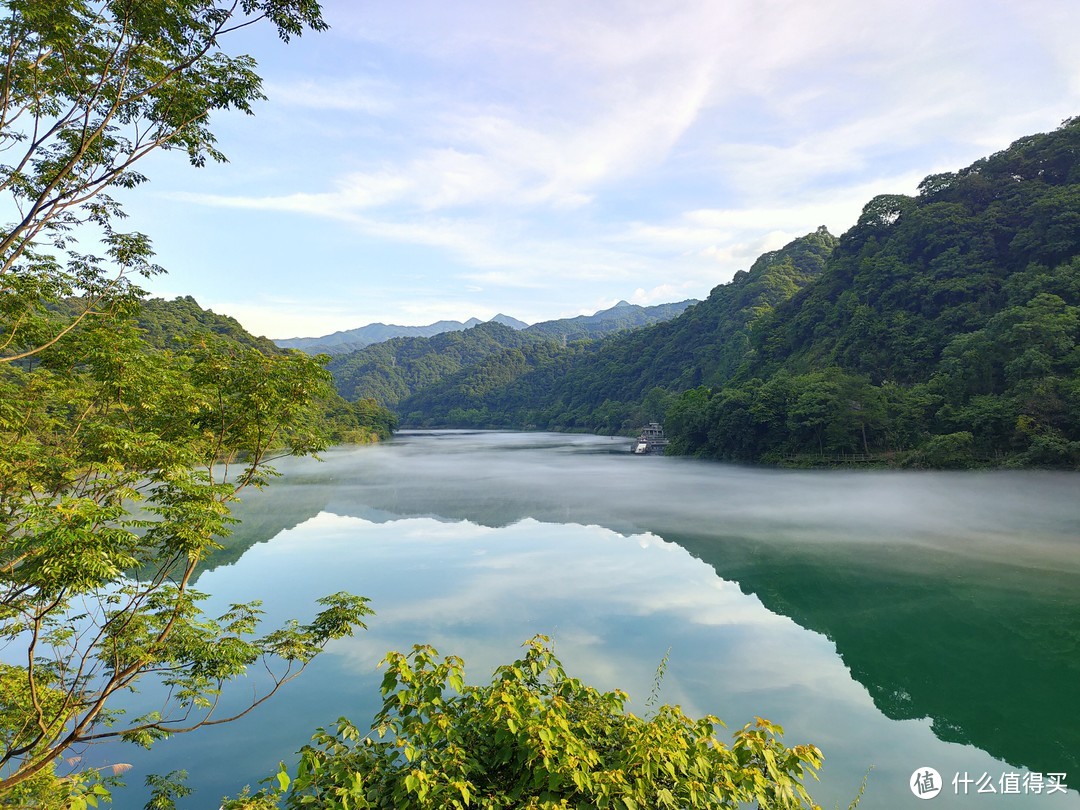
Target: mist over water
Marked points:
894	619
498	478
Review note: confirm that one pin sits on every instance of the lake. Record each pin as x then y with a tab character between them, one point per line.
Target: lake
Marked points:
898	620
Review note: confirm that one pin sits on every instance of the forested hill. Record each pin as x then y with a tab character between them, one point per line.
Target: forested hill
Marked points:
396	368
177	323
391	370
614	384
181	324
945	329
608	321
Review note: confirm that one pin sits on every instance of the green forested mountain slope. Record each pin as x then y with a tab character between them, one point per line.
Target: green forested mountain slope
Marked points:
608	321
393	369
915	273
396	369
504	389
611	385
946	326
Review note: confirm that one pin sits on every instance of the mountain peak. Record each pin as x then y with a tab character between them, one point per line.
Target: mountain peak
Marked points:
513	323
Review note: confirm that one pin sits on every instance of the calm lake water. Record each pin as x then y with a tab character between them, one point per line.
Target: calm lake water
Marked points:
896	620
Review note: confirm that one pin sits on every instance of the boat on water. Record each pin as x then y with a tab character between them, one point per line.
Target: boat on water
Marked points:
651	441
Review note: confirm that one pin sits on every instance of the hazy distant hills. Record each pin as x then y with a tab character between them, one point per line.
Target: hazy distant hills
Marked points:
608	321
393	369
352	339
621	316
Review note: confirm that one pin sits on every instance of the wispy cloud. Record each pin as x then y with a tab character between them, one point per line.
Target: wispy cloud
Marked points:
355	94
557	146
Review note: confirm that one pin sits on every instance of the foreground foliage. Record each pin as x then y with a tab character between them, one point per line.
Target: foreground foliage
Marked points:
532	738
118	463
88	89
181	325
119	459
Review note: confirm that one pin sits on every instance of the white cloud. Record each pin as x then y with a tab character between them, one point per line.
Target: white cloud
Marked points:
543	150
643	575
356	94
488	158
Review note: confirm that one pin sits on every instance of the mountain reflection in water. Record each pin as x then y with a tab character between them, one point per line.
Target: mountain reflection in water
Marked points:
949	596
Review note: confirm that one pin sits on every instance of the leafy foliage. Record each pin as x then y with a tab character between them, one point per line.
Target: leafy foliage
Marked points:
181	324
87	90
119	459
534	737
117	468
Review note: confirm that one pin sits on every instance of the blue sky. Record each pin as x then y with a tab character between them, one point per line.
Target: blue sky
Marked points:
426	160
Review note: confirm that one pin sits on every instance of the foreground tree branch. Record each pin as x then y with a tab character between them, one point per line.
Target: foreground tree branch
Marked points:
112	482
87	90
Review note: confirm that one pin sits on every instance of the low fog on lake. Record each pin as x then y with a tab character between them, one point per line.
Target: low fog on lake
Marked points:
895	619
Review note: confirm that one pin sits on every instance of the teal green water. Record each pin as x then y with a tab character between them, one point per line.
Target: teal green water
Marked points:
897	620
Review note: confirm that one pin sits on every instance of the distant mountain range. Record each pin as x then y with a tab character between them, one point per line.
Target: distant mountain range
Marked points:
621	316
350	340
396	368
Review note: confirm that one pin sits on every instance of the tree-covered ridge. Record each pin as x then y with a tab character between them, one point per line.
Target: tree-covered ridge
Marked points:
389	371
181	322
608	321
396	369
180	326
945	325
615	384
915	273
501	390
